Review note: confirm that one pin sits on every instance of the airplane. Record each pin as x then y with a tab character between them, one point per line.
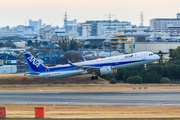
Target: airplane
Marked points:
99	66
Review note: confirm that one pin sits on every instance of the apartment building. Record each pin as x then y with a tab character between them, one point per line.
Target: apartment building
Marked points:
106	28
161	24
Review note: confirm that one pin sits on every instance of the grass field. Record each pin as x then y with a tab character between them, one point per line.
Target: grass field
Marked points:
89	87
19	82
62	111
98	119
6	79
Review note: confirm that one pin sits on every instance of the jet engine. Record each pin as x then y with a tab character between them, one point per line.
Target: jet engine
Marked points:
107	70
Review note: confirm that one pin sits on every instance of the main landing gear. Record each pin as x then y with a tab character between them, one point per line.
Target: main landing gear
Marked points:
94	77
145	66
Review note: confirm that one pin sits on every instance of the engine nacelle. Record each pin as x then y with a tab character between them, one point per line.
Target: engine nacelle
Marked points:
107	70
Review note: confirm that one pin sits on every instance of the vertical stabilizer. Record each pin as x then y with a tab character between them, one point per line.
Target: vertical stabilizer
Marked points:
34	64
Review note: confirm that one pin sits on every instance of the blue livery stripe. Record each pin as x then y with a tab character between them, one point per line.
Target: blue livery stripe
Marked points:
70	68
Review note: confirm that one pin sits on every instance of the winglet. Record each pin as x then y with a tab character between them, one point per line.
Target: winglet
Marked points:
69	62
83	59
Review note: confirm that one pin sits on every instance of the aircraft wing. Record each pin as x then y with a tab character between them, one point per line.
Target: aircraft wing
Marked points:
87	68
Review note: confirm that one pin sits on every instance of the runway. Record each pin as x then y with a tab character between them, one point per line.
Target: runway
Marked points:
125	98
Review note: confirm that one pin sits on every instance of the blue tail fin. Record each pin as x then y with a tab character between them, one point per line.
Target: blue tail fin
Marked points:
34	64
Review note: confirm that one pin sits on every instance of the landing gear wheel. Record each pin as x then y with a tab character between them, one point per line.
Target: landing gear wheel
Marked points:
96	77
92	78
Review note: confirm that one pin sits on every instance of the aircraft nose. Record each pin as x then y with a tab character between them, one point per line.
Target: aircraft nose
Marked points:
158	57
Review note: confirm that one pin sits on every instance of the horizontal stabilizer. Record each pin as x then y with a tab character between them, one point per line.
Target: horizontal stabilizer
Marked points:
35	73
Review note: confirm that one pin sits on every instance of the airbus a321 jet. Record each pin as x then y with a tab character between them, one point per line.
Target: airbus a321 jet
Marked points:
99	66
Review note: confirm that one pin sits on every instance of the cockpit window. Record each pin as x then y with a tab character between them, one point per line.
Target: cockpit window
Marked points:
151	54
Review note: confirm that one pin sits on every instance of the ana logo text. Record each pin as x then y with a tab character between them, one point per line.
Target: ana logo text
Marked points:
129	56
33	61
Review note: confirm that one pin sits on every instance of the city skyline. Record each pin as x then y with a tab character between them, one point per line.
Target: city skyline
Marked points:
18	12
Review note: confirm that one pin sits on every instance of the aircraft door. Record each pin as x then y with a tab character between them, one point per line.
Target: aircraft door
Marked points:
116	61
143	56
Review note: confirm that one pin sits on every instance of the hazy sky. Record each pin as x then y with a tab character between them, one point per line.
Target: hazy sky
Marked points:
15	12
